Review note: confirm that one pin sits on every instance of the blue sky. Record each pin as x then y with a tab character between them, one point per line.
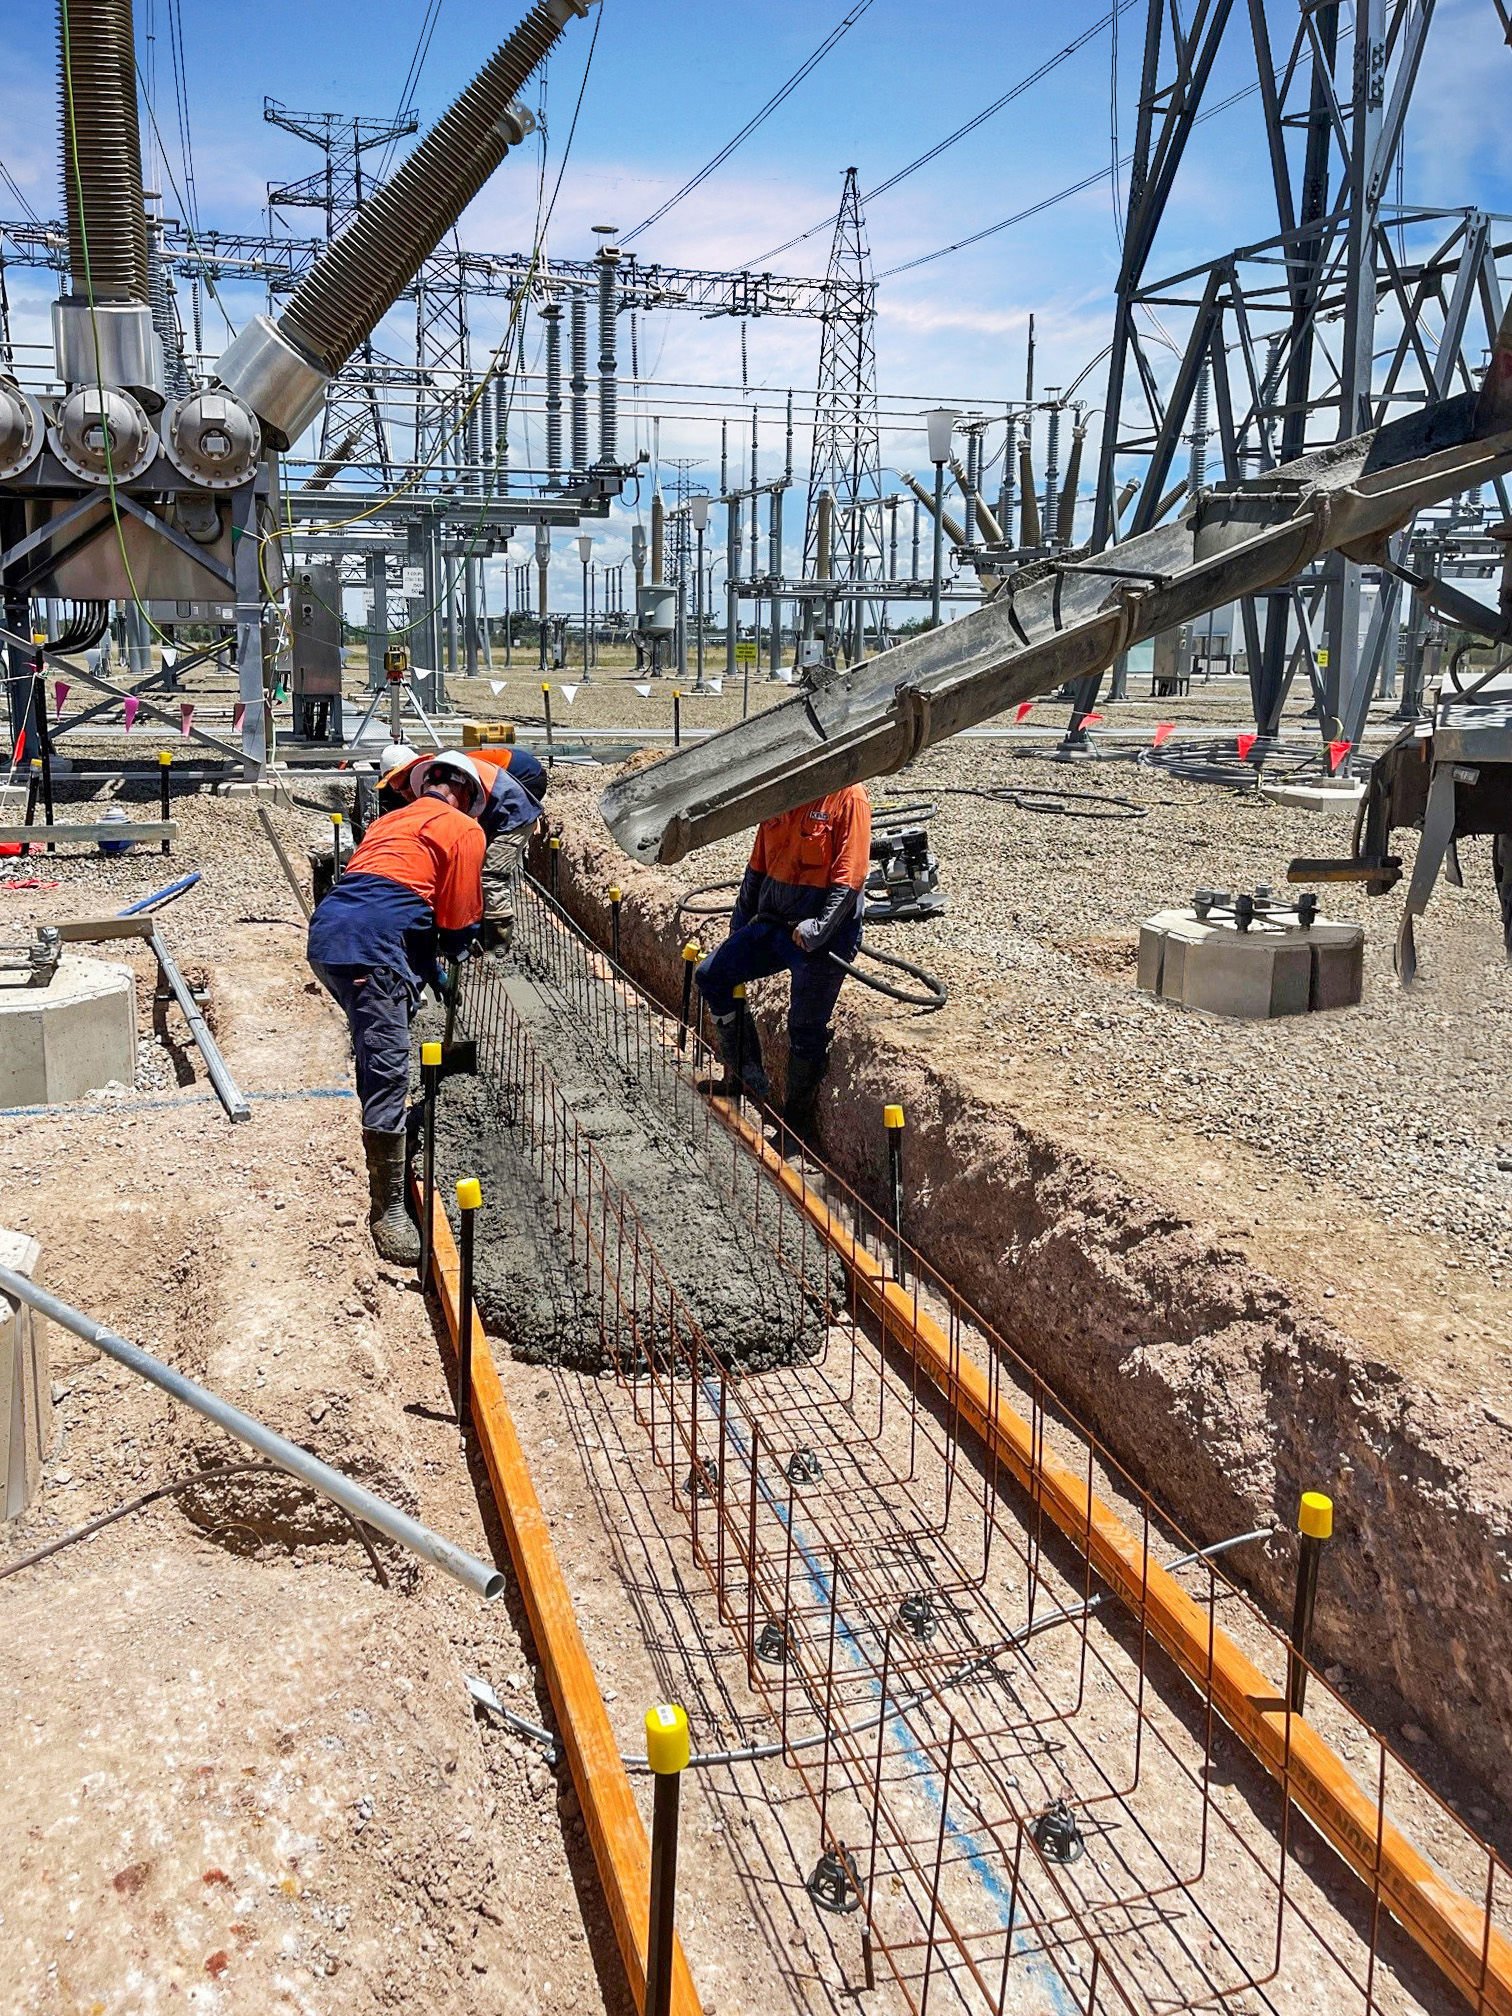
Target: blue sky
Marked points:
671	82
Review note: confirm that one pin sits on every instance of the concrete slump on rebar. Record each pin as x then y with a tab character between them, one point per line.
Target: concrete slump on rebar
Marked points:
930	1784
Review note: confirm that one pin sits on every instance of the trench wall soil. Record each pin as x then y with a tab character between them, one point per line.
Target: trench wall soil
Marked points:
1208	1379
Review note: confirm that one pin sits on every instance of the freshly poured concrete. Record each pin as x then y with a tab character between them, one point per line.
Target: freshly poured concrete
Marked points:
70	1037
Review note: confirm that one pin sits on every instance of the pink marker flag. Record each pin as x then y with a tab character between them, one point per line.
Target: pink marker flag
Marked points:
1164	730
1022	710
238	715
1088	719
1337	751
1244	744
61	691
186	716
132	707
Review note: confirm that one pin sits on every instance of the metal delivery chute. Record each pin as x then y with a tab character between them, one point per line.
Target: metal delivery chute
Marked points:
1060	620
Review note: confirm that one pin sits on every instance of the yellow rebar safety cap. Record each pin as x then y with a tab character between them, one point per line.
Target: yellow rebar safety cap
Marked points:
892	1116
667	1748
555	840
469	1193
738	990
335	818
692	952
1315	1516
614	895
430	1053
165	756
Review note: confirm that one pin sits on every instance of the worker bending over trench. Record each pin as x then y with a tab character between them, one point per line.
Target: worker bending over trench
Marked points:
415	882
515	782
800	900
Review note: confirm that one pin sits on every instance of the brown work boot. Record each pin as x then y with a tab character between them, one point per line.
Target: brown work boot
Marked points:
395	1233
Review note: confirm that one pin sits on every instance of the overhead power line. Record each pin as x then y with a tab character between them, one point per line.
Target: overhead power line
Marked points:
979	119
1049	202
784	91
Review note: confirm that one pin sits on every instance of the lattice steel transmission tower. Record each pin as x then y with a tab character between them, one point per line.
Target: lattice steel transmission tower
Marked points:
353	428
847	452
1353	305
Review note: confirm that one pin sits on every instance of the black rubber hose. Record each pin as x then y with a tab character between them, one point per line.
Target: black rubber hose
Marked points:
355	282
935	993
102	150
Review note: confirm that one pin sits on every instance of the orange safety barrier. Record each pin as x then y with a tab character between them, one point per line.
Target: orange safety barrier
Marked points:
1452	1931
615	1829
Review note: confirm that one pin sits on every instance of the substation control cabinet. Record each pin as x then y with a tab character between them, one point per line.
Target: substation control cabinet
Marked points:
315	621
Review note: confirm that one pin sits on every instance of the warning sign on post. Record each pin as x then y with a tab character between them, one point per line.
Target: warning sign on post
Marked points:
413	581
745	654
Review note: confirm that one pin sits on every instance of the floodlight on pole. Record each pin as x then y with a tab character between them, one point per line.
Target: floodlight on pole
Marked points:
940	423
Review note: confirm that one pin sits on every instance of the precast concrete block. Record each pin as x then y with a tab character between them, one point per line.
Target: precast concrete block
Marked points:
26	1423
1275	968
70	1037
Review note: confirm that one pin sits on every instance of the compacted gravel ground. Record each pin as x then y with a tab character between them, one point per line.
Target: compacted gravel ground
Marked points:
1403	1101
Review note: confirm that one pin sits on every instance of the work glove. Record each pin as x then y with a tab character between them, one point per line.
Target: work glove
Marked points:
806	936
494	936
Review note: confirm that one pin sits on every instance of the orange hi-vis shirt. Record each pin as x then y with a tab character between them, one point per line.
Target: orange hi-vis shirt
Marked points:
825	845
432	850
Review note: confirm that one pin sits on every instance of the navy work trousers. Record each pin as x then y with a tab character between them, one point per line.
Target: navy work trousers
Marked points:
376	1004
765	947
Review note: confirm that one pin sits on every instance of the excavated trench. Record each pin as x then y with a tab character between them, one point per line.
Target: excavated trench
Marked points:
1209	1379
752	1316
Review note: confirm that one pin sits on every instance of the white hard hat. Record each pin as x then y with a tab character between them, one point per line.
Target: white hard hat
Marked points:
394	757
451	763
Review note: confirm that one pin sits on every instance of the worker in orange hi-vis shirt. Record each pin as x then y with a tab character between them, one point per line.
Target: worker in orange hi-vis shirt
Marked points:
416	882
800	901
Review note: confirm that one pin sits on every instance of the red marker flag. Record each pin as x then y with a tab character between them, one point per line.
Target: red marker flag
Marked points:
18	757
132	705
1164	730
1021	710
1088	719
238	715
1337	751
186	716
1244	744
61	691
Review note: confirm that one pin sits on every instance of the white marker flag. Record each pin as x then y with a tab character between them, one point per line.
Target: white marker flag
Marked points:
568	693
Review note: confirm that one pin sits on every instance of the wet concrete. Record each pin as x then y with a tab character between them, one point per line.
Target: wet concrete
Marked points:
529	1280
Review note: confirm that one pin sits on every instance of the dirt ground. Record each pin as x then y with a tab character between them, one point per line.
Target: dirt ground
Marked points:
241	1775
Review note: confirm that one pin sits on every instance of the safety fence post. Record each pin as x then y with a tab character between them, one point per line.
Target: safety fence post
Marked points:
615	899
430	1078
667	1754
892	1120
1315	1525
550	744
553	856
676	719
469	1200
691	955
335	848
165	765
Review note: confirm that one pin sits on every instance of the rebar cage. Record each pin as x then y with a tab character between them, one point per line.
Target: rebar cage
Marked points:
1028	1801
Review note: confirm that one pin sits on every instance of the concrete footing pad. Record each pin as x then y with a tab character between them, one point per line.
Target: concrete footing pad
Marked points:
1274	969
70	1037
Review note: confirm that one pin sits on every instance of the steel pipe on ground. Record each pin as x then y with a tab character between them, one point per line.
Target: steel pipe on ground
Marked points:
361	1504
